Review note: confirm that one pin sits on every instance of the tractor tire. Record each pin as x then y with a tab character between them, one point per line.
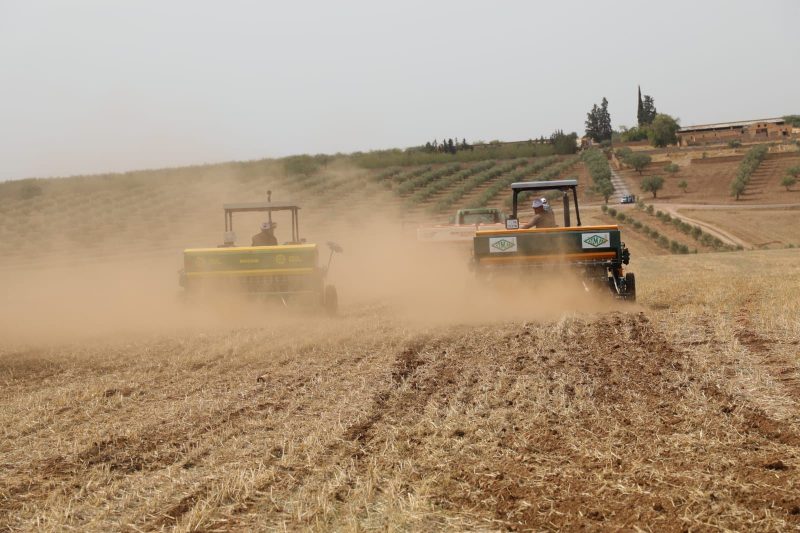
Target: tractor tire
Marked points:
330	300
630	287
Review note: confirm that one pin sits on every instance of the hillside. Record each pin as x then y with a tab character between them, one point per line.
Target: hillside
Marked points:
709	178
168	210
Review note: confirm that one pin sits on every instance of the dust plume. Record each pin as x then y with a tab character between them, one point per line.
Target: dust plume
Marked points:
120	288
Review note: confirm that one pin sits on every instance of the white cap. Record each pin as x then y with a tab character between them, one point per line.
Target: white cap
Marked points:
268	225
544	201
537	203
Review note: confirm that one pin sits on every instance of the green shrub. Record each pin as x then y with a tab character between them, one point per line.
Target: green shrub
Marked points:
623	153
649	209
621	217
604	208
612	211
734	143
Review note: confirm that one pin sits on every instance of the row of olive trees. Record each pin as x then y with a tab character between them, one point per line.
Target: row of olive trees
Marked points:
548	174
696	232
436	186
597	164
408	186
749	164
505	181
673	246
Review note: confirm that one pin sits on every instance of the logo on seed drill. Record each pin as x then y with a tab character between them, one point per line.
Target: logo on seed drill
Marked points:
503	244
595	240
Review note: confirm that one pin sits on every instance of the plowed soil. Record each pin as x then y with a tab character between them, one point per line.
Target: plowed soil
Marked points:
678	413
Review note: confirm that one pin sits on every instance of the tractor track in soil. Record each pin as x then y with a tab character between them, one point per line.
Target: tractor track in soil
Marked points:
783	370
505	418
397	403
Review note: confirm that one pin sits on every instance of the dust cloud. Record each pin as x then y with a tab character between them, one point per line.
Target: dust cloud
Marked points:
382	265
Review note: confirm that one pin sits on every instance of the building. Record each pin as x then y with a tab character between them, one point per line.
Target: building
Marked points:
765	129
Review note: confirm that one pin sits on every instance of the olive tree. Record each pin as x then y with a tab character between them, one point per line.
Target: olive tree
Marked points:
638	161
605	189
652	184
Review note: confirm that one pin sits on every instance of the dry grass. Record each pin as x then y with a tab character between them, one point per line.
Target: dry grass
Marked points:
417	409
768	227
709	182
680	414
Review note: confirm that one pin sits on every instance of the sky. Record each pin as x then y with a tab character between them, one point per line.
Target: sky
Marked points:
109	86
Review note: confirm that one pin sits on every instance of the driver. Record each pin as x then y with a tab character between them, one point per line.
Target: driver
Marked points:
541	218
267	236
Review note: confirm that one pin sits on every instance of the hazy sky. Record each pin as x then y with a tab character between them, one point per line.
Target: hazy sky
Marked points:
94	86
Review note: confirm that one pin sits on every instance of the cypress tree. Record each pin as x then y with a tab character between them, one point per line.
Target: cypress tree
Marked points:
605	128
640	111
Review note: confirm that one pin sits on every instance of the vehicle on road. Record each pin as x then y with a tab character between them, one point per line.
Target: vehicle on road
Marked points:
288	272
463	225
628	199
596	253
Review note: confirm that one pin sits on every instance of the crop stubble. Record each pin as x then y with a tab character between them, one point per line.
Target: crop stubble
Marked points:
681	414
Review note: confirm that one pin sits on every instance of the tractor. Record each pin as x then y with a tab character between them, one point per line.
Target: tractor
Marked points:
284	272
463	225
596	253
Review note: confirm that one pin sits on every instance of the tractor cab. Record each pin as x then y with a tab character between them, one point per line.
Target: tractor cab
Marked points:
272	210
559	189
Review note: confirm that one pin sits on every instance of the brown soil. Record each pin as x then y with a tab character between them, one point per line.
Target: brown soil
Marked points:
428	404
676	415
709	182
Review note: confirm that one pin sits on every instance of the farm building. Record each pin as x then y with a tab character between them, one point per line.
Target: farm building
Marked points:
764	129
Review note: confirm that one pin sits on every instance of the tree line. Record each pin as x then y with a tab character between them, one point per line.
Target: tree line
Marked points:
659	129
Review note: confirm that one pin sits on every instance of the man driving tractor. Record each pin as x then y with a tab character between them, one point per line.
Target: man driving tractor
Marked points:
267	235
541	218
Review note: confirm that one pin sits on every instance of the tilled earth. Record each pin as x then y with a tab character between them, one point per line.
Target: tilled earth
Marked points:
654	418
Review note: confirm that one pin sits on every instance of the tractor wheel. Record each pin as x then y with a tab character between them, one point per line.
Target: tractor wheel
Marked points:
330	300
630	287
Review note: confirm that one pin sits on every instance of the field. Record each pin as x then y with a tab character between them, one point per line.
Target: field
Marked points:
427	404
708	180
764	227
680	413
